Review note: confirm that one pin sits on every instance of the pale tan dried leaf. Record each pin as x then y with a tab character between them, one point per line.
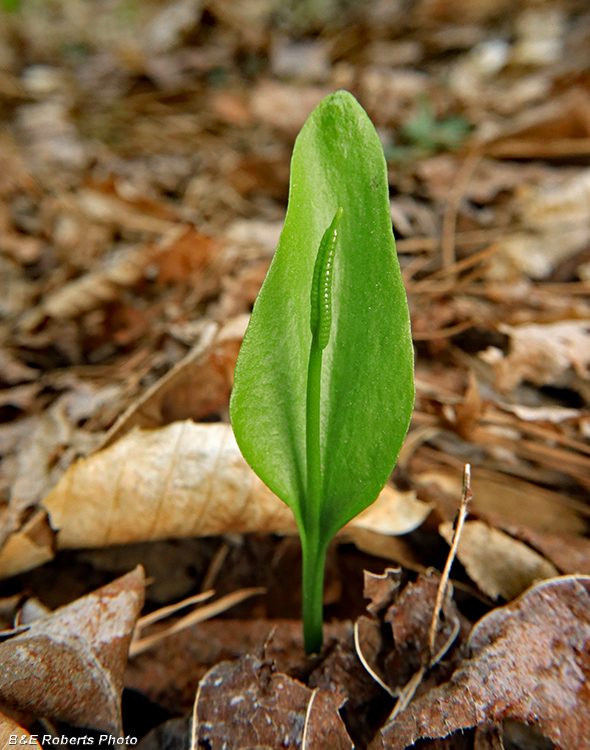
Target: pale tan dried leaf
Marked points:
110	209
536	255
9	730
542	354
69	666
101	286
497	497
393	513
27	548
553	414
497	563
182	480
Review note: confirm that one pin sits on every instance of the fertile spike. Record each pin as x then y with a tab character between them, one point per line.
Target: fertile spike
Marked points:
321	285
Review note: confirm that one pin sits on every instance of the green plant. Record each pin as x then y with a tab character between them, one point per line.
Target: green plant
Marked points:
324	386
424	134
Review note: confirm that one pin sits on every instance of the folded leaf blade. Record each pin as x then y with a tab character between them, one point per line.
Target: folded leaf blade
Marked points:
367	369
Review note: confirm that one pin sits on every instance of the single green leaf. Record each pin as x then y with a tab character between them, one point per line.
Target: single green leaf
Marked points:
366	367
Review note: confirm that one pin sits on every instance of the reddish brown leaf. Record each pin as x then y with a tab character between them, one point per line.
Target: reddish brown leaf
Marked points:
410	619
247	704
382	590
69	666
529	662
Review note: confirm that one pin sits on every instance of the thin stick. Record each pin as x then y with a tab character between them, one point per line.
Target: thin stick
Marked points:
195	720
194	617
430	658
466	496
171	609
367	666
452	210
215	566
307	715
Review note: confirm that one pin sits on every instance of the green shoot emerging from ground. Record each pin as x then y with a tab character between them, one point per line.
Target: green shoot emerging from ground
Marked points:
324	385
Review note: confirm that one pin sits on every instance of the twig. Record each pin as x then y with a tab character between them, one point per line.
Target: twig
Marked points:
195	720
452	210
429	658
307	715
466	496
171	609
199	615
367	666
215	566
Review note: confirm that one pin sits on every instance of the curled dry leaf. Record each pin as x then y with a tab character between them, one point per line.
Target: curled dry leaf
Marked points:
246	704
529	662
182	480
382	589
69	666
410	619
542	354
497	563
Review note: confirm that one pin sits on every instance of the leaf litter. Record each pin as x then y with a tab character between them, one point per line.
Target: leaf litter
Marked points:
144	174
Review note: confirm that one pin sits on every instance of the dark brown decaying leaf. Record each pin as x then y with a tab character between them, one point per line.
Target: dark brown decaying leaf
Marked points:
529	662
381	589
410	619
247	704
69	666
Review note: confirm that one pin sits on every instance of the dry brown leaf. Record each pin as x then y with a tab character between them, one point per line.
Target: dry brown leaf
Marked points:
382	590
529	662
69	666
28	547
541	354
100	286
410	619
499	498
393	548
182	480
569	553
196	387
9	730
497	563
285	106
246	704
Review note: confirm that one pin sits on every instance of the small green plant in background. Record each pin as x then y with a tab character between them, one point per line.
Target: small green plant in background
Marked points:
9	6
324	385
424	134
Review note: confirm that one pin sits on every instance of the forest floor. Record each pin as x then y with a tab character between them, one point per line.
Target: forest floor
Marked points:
144	166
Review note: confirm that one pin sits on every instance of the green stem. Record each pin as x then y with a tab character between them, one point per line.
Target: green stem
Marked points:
313	448
314	563
314	553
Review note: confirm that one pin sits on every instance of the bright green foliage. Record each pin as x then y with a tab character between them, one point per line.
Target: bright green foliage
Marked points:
324	385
